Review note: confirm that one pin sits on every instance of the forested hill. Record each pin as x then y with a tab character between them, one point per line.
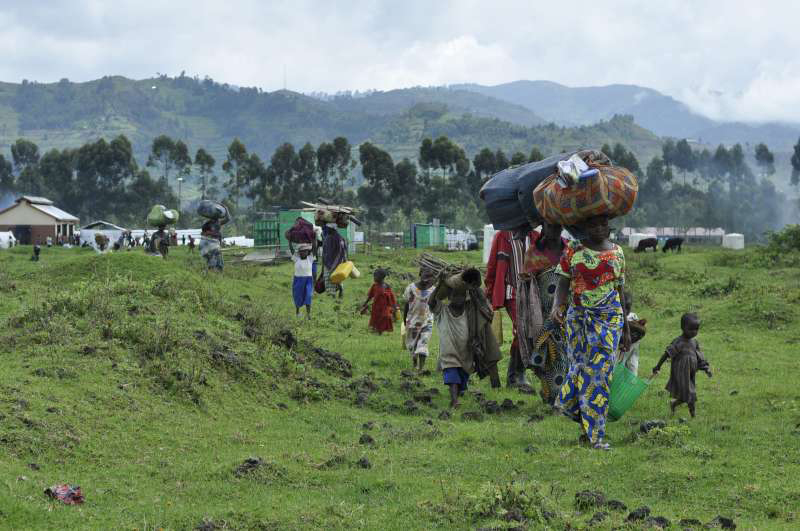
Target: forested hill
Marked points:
207	114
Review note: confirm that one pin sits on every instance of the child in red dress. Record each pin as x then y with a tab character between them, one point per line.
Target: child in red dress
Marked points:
384	304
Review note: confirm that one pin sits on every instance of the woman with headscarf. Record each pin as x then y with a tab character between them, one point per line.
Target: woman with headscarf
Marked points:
593	274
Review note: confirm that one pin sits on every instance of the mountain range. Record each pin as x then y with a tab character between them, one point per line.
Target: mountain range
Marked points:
651	109
514	116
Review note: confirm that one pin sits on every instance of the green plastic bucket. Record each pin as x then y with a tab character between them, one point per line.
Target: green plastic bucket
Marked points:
625	389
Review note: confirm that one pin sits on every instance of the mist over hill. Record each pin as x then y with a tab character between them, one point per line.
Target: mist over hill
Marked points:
651	109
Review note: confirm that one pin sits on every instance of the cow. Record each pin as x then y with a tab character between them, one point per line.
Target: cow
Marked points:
646	244
673	244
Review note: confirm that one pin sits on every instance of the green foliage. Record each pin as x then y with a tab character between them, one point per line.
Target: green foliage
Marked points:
123	369
514	501
668	437
785	240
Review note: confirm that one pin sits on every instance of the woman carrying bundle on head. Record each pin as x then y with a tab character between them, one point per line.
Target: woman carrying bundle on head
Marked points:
593	276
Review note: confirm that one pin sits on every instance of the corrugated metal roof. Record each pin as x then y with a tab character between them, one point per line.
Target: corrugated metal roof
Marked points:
55	212
35	200
103	225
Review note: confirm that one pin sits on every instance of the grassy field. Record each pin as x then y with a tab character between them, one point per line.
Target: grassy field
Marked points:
149	383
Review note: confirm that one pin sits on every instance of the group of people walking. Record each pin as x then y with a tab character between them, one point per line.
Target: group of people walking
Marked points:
570	312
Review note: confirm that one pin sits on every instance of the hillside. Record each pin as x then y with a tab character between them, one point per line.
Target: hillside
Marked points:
151	384
458	101
207	114
404	134
663	115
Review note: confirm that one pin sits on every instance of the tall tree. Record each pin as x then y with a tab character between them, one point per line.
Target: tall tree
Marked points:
484	163
379	171
162	155
6	175
344	162
234	166
57	168
536	155
25	155
518	158
501	161
181	160
765	159
684	158
796	164
205	166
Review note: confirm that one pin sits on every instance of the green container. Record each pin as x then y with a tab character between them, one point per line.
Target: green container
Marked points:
625	389
426	235
266	232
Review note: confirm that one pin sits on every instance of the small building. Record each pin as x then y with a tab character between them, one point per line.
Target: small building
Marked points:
111	231
32	219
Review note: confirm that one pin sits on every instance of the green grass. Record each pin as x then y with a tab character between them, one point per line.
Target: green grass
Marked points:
148	383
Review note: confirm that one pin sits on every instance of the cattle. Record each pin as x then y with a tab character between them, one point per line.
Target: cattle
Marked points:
673	244
646	244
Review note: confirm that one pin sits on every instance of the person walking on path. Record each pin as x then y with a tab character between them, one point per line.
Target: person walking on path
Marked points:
686	359
384	303
303	281
466	342
334	252
593	272
418	318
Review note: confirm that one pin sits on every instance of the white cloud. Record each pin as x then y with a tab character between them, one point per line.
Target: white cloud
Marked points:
744	49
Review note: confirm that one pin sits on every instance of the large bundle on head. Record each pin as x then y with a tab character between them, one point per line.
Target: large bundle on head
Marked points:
507	195
609	191
301	232
459	277
160	215
211	209
325	213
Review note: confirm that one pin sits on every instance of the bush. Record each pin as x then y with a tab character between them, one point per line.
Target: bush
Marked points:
785	240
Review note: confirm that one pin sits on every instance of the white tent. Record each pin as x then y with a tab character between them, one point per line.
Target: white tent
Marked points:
733	241
239	241
7	240
111	231
636	237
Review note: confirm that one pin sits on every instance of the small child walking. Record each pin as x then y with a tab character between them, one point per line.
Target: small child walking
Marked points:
418	318
384	303
686	359
303	284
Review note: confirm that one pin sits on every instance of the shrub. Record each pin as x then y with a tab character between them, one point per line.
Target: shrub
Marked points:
786	239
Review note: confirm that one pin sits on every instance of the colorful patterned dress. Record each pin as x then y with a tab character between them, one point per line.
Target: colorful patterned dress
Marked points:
548	356
594	325
419	321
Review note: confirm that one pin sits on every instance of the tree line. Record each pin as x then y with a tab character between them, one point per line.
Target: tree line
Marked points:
682	187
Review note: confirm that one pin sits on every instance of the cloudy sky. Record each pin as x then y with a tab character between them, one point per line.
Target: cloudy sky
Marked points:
727	59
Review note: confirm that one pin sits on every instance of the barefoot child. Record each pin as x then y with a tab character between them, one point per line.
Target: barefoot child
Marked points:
303	284
466	341
686	359
384	303
418	318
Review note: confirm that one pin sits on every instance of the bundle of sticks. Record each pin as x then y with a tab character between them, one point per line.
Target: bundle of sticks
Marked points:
437	265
